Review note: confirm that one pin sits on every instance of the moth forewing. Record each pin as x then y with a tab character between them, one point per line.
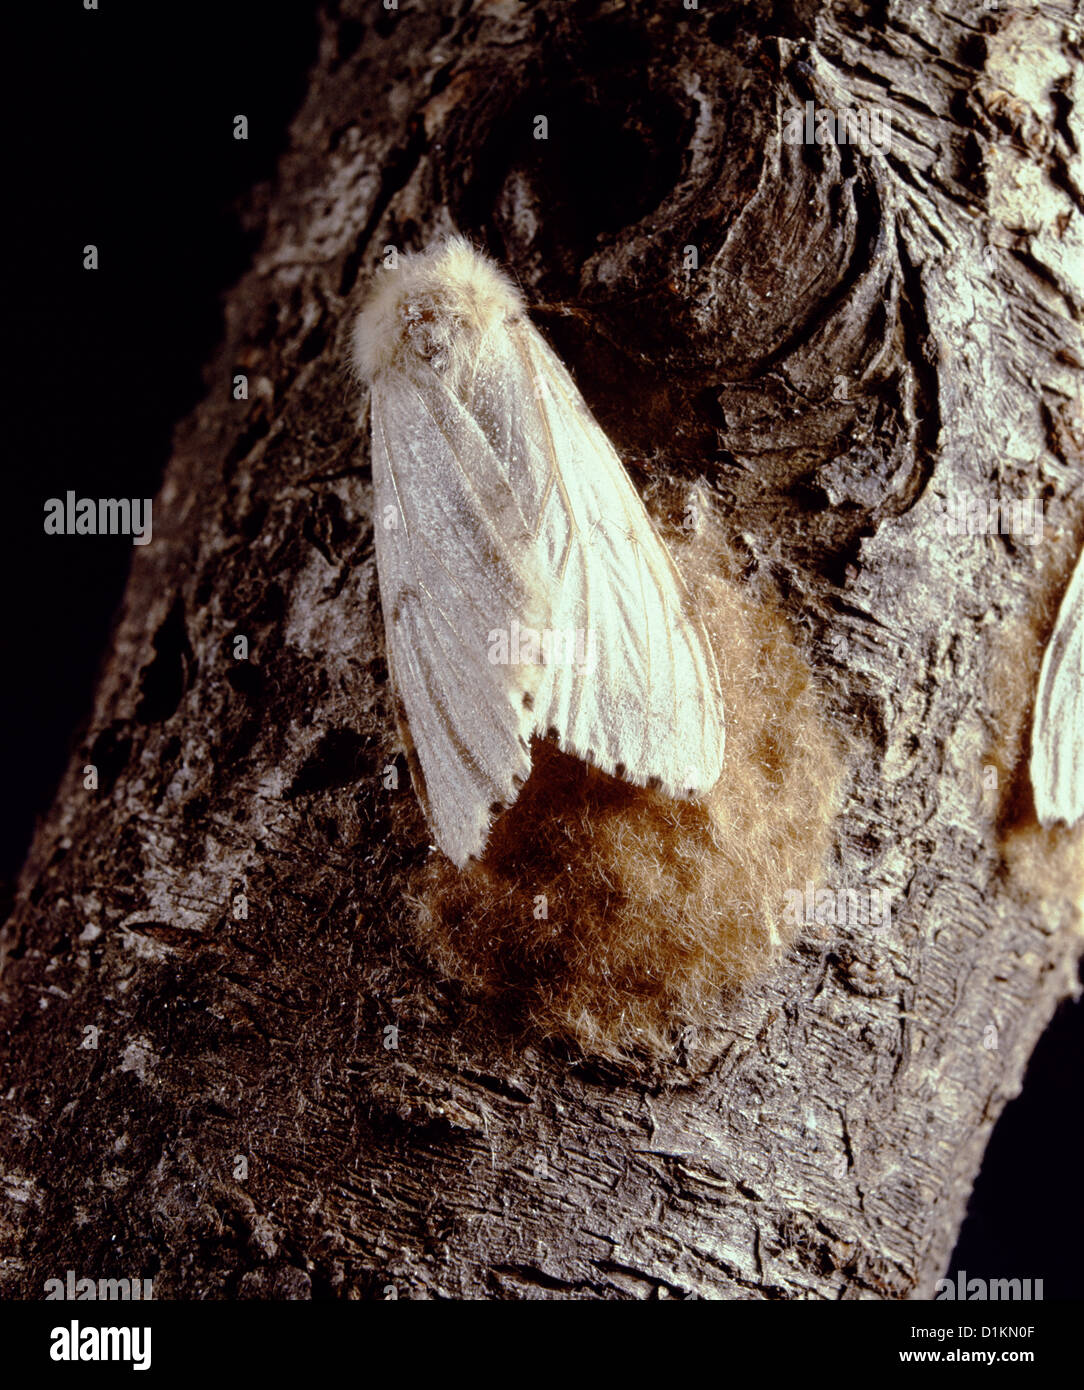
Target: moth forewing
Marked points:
649	711
447	578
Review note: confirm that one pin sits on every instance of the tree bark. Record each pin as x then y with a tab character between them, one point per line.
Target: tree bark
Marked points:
212	1099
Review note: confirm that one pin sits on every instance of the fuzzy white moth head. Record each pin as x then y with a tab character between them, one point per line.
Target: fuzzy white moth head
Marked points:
436	308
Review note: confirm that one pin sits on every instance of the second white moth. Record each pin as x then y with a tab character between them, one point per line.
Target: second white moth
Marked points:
524	589
1057	739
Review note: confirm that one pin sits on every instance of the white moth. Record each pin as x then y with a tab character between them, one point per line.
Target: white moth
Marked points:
1057	734
524	589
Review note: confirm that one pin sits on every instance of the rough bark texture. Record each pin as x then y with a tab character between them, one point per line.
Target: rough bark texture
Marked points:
866	333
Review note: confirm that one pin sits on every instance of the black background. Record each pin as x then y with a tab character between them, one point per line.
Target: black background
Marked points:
121	123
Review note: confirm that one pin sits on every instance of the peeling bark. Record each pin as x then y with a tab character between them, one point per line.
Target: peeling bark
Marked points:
867	334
